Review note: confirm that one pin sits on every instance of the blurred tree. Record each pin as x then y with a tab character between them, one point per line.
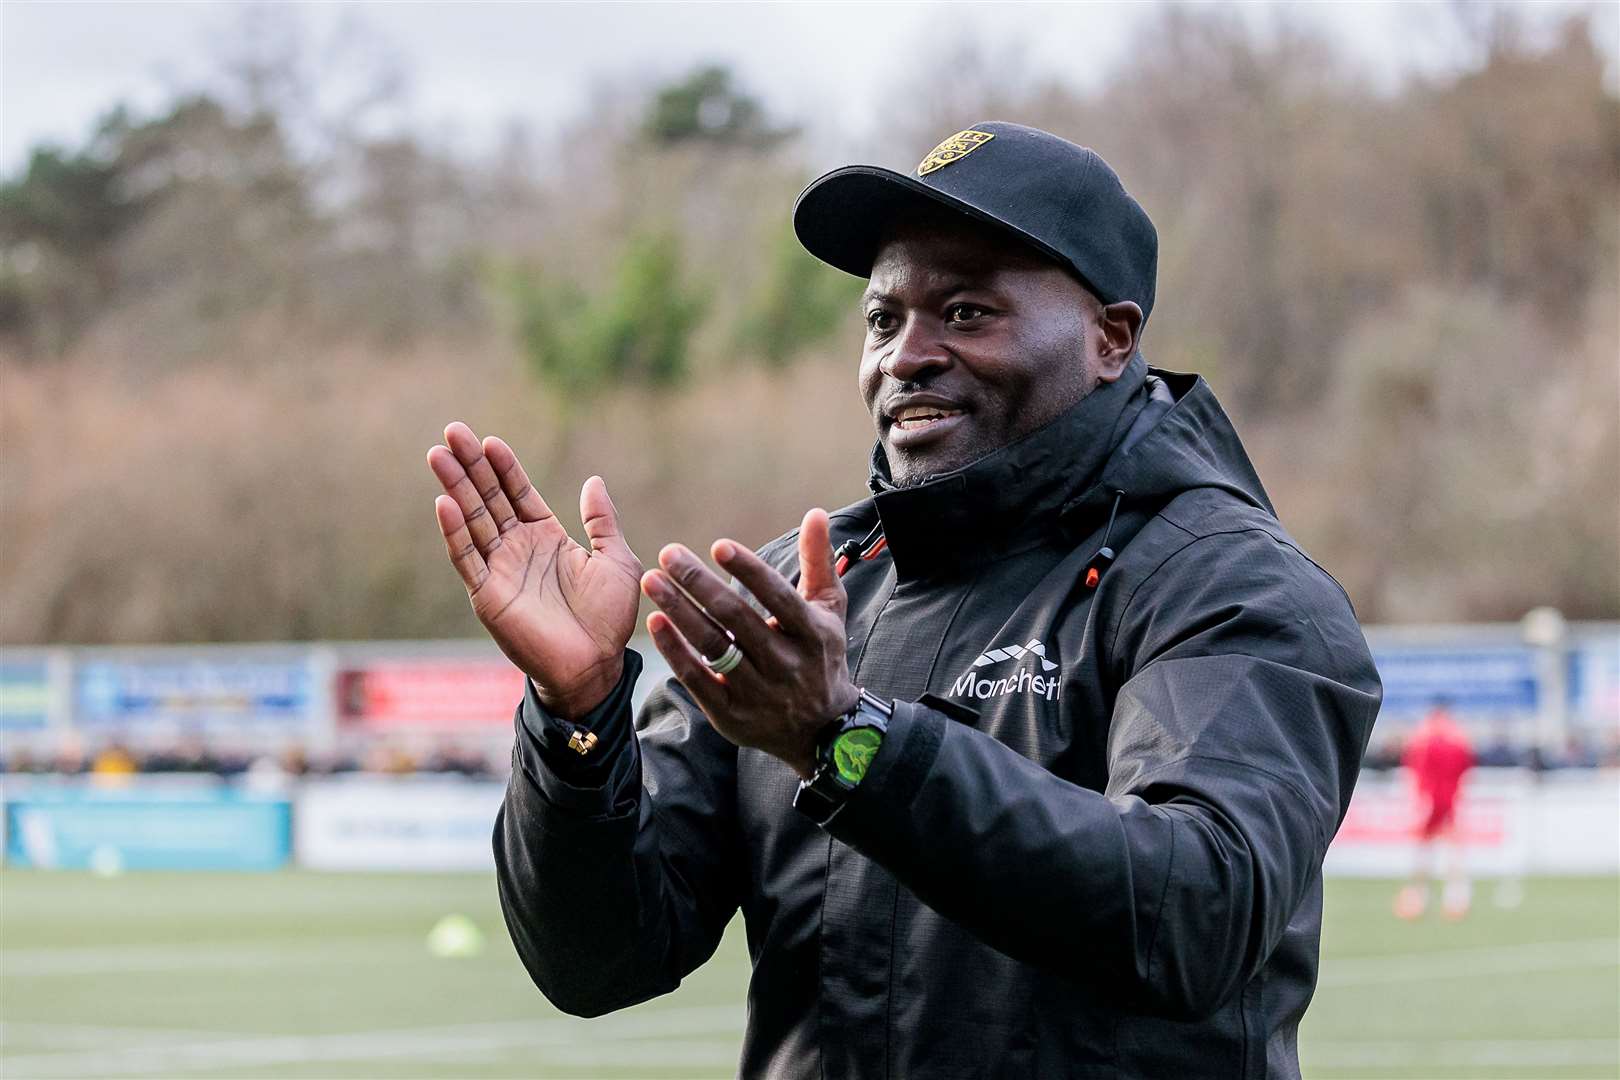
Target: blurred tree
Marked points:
1514	166
1471	481
798	303
69	202
706	106
57	222
231	182
635	331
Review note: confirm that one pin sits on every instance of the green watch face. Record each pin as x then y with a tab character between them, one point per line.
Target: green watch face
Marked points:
853	752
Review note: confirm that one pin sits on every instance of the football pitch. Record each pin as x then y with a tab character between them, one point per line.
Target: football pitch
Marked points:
300	974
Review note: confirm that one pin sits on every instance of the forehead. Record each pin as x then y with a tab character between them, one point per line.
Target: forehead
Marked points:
930	243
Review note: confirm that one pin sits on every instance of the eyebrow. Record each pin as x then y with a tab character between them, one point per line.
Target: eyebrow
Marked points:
955	285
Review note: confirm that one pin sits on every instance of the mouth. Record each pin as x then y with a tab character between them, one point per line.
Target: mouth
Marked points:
921	421
921	417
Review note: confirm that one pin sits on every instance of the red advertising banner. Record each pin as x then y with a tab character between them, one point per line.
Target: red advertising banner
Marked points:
430	694
1394	818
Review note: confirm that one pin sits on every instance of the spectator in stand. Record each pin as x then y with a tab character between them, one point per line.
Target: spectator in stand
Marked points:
1438	756
1383	752
22	761
1503	752
70	758
1578	753
294	760
187	754
389	759
460	758
114	761
1610	757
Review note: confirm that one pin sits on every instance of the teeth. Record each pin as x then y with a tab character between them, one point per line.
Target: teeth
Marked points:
922	413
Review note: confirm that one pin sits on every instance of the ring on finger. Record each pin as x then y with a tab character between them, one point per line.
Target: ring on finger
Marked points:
726	661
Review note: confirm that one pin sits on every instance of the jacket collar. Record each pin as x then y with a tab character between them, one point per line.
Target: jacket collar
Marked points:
1012	498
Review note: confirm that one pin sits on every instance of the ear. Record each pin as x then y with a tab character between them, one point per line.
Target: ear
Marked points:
1119	327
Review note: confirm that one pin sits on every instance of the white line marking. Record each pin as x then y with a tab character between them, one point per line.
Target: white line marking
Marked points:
1505	1053
183	956
100	1035
607	1041
1470	963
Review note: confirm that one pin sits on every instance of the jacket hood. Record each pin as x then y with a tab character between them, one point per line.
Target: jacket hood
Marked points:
1144	438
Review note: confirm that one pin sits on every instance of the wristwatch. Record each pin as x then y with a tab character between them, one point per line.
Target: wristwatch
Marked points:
842	758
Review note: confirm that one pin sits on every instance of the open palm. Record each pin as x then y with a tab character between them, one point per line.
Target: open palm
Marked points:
560	611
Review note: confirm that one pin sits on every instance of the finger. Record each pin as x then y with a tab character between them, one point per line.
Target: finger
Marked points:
818	577
717	598
470	452
768	586
514	481
458	485
601	519
695	626
458	543
706	688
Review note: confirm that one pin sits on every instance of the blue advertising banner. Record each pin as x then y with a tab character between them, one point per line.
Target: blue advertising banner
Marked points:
1486	679
75	828
192	694
25	695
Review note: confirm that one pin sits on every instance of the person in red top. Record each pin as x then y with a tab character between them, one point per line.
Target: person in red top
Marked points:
1437	756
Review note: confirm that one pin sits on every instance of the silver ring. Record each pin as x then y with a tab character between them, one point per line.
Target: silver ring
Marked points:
726	661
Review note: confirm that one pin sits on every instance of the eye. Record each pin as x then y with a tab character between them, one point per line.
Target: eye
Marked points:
879	321
960	313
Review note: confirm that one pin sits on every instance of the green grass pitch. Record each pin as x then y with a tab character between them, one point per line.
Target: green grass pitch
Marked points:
301	974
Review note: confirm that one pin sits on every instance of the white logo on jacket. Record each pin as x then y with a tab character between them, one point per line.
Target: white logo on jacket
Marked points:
1026	680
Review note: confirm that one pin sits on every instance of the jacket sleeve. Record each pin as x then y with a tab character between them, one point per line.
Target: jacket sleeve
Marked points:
618	879
1246	695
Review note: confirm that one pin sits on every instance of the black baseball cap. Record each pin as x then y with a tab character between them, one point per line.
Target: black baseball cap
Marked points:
1059	197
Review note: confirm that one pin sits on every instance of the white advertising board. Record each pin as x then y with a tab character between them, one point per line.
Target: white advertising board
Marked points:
1510	822
375	823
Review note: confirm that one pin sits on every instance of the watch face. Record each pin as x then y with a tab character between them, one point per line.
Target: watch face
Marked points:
853	751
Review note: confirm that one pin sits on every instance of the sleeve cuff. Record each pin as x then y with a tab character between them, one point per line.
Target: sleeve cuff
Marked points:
567	779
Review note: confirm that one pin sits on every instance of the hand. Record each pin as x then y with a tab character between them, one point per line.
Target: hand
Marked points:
560	612
794	676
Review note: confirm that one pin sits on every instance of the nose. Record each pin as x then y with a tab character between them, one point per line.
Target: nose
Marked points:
914	351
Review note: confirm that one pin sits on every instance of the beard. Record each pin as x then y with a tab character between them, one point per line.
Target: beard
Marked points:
910	470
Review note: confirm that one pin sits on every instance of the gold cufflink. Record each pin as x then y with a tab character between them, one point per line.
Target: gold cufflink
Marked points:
582	742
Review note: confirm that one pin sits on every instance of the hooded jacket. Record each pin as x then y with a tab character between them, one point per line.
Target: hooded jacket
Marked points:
1091	842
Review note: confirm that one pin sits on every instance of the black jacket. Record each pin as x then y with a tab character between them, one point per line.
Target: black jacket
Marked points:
1091	843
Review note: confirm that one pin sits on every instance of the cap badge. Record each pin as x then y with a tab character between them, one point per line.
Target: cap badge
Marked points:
953	149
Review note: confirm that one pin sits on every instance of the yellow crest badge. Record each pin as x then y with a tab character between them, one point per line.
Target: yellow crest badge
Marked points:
953	149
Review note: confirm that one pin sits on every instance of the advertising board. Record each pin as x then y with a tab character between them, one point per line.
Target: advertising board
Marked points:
25	695
429	694
197	693
1594	683
1480	680
404	823
1510	823
76	827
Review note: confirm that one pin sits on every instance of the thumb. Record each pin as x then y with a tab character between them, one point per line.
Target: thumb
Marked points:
601	519
818	579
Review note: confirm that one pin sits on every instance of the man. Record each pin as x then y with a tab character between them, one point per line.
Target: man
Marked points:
1042	784
1437	757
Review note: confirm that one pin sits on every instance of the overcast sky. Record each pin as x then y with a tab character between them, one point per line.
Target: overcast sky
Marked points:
473	66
